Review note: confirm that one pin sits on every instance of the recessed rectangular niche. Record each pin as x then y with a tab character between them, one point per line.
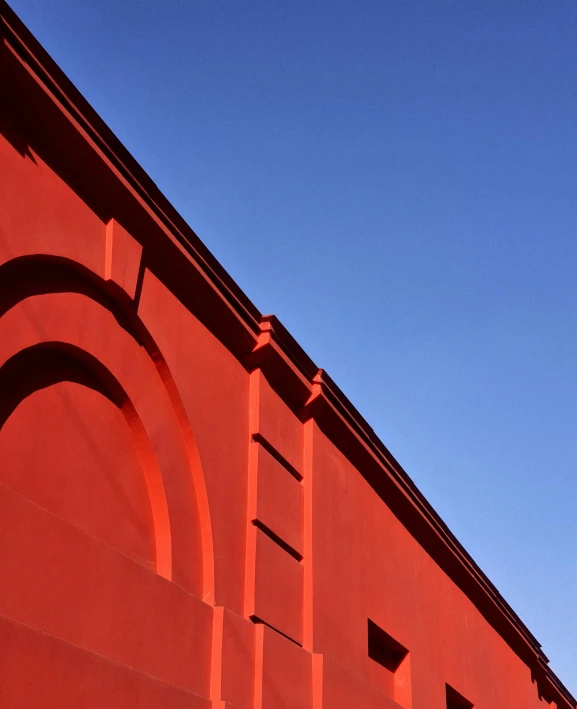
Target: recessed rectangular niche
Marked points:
456	700
392	658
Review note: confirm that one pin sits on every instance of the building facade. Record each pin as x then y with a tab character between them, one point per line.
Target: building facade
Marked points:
192	514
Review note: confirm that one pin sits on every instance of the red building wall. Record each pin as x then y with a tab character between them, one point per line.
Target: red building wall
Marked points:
191	513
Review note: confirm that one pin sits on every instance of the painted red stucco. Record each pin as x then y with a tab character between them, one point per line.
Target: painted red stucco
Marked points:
191	513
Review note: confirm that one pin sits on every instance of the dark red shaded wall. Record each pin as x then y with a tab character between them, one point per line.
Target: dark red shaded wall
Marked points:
191	513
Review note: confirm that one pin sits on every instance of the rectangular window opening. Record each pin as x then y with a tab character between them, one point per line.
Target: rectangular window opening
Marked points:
456	700
384	649
390	669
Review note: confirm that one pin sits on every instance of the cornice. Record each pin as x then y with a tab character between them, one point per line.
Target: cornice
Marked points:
18	39
262	342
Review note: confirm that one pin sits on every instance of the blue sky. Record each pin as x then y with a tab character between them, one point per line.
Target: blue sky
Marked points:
396	181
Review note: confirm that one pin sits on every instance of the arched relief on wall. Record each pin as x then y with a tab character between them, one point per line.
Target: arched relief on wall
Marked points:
56	309
44	365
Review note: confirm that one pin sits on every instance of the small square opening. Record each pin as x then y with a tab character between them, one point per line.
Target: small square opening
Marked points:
456	700
390	668
384	649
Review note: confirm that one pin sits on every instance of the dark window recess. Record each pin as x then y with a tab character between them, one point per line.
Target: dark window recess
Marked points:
456	700
385	650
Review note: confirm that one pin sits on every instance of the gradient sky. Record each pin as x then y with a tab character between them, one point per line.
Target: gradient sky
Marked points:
396	181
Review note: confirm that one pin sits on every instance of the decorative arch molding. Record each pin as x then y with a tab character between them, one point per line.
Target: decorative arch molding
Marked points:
53	307
49	363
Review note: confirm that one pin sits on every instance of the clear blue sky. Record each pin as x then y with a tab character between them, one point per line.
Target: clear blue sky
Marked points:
396	180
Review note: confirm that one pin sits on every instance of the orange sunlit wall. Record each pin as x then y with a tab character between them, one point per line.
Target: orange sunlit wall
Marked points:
192	514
